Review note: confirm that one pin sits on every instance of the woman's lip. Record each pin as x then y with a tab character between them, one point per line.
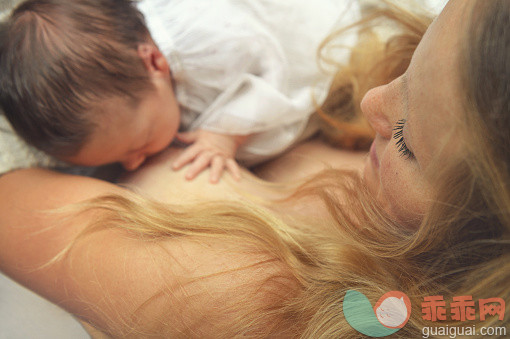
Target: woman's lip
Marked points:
373	155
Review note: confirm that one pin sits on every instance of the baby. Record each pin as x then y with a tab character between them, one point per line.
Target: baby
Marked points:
93	82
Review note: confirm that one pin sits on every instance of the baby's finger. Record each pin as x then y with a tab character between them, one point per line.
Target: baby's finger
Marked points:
187	137
233	168
201	162
217	166
186	157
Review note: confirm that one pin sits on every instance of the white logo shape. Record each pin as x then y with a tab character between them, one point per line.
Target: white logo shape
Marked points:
392	312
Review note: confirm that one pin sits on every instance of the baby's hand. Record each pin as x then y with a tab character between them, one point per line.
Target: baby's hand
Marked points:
209	149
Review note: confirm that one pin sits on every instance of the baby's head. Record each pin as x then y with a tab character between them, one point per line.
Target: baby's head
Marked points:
82	80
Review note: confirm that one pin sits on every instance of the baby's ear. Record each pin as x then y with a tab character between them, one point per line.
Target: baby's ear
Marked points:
153	60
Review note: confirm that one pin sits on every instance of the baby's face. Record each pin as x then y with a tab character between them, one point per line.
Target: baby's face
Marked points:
129	134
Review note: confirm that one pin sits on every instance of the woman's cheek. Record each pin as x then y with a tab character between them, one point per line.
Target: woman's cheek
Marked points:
390	181
399	189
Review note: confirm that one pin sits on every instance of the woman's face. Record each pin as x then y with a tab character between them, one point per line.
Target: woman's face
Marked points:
412	117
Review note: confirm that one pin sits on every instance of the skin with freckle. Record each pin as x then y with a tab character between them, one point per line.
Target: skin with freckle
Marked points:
398	181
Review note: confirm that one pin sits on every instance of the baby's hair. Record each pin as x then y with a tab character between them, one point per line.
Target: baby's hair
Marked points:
60	58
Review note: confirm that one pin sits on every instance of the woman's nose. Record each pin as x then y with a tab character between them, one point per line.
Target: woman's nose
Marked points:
375	110
133	162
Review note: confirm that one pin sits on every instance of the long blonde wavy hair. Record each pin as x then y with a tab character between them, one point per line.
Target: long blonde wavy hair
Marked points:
461	247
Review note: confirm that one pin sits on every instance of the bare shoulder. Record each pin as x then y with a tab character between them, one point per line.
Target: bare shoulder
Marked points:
121	283
181	287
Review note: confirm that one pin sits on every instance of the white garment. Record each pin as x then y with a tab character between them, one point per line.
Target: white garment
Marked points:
248	66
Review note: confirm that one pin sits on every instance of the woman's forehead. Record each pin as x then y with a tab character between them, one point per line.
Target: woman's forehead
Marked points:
433	81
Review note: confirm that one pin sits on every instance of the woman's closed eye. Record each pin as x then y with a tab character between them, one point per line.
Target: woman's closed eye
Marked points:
401	143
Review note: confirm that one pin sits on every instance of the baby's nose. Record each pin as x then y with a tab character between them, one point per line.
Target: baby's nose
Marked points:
133	163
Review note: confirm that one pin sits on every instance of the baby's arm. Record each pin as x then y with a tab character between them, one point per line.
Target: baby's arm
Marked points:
209	149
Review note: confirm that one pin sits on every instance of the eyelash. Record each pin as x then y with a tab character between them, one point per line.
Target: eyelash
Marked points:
401	143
